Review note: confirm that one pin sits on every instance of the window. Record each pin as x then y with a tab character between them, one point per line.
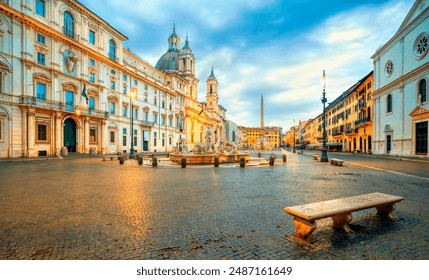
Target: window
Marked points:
41	39
135	113
124	140
124	131
68	27
155	116
112	84
124	77
154	100
40	58
92	77
92	135
163	120
112	108
422	91
40	8
389	103
124	90
41	91
91	62
145	98
154	139
42	130
112	137
145	116
112	50
170	106
389	67
124	110
135	82
163	104
170	121
91	103
92	37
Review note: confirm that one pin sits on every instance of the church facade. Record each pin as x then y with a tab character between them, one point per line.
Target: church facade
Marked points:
401	76
67	82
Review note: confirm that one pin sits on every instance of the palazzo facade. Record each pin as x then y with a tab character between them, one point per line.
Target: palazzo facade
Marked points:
67	81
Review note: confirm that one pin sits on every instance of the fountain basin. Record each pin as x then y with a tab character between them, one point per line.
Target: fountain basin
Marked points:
202	159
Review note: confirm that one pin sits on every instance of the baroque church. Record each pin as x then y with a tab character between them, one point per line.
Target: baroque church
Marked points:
67	83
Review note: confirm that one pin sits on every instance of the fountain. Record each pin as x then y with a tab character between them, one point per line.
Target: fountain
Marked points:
206	153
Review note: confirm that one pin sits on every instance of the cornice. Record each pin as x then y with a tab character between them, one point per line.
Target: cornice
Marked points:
402	80
29	21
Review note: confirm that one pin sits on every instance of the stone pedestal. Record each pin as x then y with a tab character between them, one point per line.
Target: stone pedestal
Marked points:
64	152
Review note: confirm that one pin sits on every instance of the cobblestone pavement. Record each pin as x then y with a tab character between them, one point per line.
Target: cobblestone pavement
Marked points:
92	209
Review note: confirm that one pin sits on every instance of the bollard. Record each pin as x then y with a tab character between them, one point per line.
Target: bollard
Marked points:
121	159
242	162
259	155
183	162
154	162
216	161
271	160
140	159
284	157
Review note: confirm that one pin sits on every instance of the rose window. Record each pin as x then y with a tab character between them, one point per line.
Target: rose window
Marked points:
421	45
389	68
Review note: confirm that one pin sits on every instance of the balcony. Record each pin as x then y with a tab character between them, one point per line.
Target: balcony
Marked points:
362	121
362	104
70	33
147	123
113	57
32	101
351	131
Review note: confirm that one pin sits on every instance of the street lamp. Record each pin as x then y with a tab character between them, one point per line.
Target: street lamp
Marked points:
324	157
294	132
133	95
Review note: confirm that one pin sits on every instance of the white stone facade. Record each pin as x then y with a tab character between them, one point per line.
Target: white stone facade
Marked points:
65	81
401	78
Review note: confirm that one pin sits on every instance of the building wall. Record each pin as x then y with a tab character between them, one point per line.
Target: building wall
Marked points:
409	68
37	52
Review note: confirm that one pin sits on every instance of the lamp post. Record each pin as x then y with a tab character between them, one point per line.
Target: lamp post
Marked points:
294	132
324	157
133	95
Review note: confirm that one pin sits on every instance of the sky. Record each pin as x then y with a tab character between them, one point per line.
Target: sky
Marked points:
277	49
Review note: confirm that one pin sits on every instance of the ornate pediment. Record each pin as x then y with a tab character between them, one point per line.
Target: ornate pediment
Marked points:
418	111
418	7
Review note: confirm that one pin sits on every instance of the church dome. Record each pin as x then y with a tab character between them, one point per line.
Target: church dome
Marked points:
170	60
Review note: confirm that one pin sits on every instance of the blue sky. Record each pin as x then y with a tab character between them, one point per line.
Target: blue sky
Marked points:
275	48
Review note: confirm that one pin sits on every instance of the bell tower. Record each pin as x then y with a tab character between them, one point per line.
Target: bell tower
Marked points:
212	92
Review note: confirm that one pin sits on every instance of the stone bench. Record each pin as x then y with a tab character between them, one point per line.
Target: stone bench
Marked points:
336	161
339	210
316	157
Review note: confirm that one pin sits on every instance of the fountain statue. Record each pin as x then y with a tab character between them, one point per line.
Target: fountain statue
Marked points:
205	153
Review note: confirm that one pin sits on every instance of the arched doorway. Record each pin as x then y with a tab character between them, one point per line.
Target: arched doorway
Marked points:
354	144
360	144
70	135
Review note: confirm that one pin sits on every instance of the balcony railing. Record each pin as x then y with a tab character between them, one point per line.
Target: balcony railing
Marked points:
61	106
113	57
362	121
351	131
147	123
362	104
70	33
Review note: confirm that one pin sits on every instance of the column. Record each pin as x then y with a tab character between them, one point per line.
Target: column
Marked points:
102	137
86	135
31	132
58	133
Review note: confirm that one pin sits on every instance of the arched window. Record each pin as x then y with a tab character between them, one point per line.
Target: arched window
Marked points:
422	91
112	50
389	103
68	25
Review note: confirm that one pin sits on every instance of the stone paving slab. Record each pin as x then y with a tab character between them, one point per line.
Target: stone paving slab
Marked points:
90	209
